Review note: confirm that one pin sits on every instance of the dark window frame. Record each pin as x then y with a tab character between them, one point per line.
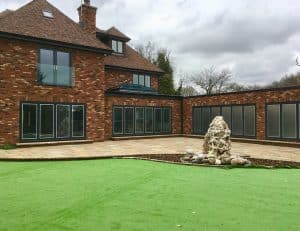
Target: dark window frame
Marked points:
135	121
153	122
40	120
145	120
124	120
231	119
280	138
38	139
55	51
113	120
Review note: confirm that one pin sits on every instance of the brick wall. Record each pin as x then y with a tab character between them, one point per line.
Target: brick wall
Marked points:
114	78
259	98
18	82
152	101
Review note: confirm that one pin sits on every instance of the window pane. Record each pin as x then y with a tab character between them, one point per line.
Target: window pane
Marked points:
114	45
237	120
135	79
118	120
148	120
197	120
249	120
63	73
166	125
29	121
141	80
273	120
63	121
78	121
46	121
289	122
46	69
46	56
205	119
147	81
215	111
129	120
226	113
139	120
120	47
157	120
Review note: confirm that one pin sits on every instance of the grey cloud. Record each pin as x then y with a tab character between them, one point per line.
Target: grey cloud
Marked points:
257	39
237	35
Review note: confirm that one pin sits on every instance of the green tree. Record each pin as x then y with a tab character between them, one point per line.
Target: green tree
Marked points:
166	84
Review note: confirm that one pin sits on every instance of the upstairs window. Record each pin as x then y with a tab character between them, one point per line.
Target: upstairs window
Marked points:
117	46
55	68
143	80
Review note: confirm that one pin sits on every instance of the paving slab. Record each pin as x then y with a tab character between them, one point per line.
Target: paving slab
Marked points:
173	145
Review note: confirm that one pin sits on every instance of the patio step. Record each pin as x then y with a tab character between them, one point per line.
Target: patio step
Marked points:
255	141
145	137
34	144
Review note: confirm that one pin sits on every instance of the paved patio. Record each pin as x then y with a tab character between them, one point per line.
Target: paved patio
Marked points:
145	146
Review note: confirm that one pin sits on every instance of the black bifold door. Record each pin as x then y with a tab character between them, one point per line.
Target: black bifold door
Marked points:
141	120
49	121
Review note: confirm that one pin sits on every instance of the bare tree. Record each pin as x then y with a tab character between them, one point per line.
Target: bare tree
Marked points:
212	81
189	91
148	51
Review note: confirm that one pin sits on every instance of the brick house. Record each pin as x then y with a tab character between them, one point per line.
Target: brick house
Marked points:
66	81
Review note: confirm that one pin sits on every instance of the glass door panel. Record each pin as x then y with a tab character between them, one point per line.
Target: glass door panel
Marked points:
78	121
46	121
29	121
62	121
129	120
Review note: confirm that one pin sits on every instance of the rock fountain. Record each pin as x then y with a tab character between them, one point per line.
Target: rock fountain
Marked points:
216	147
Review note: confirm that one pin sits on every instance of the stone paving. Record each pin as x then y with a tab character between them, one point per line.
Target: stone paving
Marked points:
172	145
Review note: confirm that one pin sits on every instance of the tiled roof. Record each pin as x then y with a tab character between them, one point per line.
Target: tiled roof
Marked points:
131	60
114	32
29	21
4	13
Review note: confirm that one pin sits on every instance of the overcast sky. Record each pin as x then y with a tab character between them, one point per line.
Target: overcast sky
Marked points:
257	39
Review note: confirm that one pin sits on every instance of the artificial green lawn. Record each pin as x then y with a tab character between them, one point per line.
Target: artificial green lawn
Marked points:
142	195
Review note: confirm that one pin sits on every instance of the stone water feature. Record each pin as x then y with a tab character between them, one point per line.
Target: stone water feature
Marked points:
216	147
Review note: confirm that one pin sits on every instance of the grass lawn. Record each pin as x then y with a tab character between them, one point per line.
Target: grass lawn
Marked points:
136	195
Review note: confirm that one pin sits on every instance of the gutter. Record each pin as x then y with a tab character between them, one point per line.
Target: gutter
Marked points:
159	73
53	43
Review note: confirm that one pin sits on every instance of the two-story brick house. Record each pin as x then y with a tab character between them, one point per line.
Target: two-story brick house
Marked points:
55	72
66	81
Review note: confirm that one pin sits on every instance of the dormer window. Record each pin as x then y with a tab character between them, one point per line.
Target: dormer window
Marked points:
143	80
117	46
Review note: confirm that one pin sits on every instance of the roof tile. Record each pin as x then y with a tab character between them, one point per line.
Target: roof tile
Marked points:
29	21
131	60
